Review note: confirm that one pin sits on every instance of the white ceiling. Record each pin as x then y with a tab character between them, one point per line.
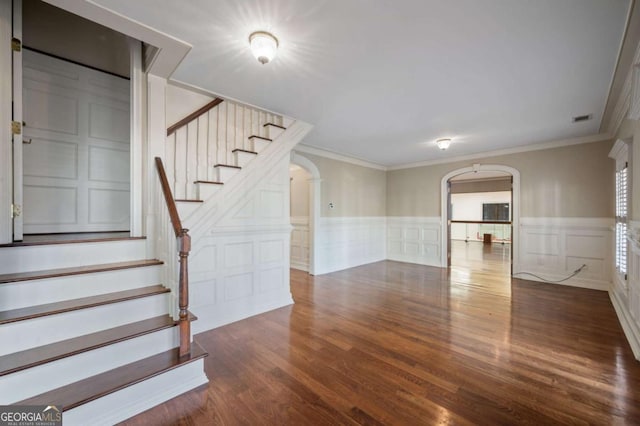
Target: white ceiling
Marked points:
382	80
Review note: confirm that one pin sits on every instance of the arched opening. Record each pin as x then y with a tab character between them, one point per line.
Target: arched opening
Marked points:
305	212
496	209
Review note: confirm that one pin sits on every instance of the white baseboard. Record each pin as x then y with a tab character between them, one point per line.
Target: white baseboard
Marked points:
576	281
629	326
213	316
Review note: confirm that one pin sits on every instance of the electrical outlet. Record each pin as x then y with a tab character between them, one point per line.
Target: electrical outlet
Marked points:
331	206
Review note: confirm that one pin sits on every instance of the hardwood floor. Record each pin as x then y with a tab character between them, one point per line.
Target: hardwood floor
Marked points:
397	343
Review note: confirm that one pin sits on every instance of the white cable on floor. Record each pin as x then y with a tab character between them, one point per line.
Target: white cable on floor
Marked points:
576	272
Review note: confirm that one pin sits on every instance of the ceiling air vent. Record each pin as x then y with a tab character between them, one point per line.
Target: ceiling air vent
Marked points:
579	118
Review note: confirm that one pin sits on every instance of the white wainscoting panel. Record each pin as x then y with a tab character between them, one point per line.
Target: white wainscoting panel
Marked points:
414	240
625	295
555	247
345	242
239	267
300	243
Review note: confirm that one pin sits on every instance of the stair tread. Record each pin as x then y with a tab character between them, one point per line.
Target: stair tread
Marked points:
92	388
187	201
227	165
213	182
70	241
22	360
31	312
87	269
274	125
260	137
244	150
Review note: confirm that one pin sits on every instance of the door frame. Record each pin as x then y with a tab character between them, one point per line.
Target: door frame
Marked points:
314	206
515	210
167	55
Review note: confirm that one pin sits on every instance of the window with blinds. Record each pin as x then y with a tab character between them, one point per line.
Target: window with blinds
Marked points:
621	220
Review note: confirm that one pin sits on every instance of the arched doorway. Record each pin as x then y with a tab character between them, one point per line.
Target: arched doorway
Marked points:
446	211
314	204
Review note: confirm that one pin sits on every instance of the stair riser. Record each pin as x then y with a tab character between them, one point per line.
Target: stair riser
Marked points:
206	190
185	209
49	290
140	397
34	381
41	257
259	145
223	174
273	132
21	335
243	158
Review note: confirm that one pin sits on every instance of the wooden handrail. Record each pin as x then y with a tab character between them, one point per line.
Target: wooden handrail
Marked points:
184	247
168	197
197	113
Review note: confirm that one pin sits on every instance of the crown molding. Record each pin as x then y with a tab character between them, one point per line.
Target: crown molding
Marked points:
525	148
339	157
623	104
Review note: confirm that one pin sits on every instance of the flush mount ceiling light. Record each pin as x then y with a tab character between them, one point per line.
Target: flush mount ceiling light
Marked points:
264	46
443	143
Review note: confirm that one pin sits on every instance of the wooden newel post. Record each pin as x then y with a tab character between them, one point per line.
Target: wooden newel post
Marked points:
183	292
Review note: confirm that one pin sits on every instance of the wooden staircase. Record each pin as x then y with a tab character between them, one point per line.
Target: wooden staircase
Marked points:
96	333
209	147
99	327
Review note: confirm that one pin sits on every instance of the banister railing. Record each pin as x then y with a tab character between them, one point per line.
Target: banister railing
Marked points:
210	136
184	247
197	113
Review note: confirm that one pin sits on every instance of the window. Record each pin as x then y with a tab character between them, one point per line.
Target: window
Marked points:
495	212
621	220
620	153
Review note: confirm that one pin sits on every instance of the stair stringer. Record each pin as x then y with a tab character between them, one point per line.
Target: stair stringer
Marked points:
239	262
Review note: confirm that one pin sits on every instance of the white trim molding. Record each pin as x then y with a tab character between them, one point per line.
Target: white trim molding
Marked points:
625	296
553	248
6	149
345	242
516	150
339	157
515	208
414	240
300	243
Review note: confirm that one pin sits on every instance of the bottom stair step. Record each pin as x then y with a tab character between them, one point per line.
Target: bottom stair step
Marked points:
109	382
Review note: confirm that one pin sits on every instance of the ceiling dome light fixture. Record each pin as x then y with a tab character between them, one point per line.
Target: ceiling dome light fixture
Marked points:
443	143
264	46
